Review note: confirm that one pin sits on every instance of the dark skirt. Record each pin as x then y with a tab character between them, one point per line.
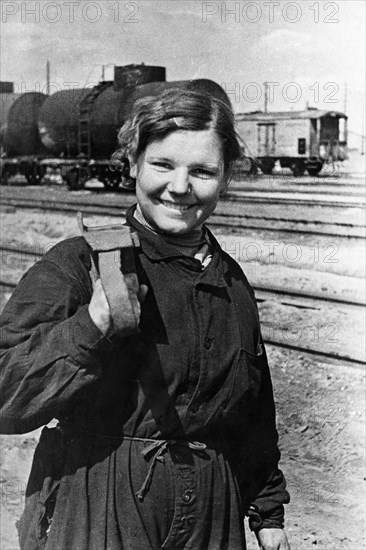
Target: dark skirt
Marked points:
92	493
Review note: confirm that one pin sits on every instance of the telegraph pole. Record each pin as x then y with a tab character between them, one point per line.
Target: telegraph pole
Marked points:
48	72
363	130
265	97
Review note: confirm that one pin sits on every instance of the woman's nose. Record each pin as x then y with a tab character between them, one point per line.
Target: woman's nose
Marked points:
179	181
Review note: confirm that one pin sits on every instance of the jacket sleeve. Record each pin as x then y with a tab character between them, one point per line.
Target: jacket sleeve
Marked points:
50	347
264	487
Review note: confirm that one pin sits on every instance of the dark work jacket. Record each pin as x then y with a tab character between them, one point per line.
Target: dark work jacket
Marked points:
197	371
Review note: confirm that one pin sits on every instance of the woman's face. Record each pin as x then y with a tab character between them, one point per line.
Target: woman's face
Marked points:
179	180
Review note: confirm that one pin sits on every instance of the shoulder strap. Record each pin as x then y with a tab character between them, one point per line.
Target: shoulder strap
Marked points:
113	261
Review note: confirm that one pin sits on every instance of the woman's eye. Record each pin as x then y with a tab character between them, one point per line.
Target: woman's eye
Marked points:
203	173
161	165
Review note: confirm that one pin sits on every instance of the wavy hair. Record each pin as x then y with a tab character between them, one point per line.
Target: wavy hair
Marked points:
154	117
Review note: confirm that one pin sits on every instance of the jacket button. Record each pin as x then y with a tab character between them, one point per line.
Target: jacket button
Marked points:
207	343
187	495
195	407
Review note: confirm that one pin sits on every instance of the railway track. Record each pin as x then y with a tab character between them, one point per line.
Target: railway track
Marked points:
229	214
349	191
265	296
268	198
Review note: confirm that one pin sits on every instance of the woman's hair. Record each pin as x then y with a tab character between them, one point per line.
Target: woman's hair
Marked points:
154	117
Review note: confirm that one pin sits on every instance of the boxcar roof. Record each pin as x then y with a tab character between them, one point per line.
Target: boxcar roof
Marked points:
288	115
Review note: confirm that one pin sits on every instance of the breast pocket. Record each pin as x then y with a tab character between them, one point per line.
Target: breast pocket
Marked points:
245	383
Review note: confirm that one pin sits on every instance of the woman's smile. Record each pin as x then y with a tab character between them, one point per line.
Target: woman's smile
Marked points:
178	207
179	180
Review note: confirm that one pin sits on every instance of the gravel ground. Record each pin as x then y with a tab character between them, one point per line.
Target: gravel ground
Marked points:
320	405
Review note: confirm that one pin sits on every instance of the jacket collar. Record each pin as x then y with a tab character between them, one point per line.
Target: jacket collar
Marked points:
156	248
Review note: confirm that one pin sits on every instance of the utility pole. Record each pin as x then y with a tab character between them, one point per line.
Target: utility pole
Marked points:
48	72
363	130
265	97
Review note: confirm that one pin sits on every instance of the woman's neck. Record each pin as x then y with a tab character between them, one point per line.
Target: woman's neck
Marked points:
188	243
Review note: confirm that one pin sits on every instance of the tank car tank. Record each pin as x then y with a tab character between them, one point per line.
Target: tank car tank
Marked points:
19	137
85	121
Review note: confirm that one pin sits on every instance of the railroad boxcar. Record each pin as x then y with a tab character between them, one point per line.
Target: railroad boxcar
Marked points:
78	127
302	140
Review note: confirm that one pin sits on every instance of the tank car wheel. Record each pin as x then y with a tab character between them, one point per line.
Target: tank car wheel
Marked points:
266	166
4	176
314	171
111	183
4	179
76	179
34	179
298	170
254	169
266	170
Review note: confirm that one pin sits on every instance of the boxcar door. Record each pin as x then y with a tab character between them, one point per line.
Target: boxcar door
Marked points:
266	139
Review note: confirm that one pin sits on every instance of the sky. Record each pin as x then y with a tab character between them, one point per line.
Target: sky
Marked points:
310	52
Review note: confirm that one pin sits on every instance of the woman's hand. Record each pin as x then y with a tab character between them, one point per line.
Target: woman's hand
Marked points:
99	310
272	539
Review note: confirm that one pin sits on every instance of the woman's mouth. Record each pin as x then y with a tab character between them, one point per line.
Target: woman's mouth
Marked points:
176	206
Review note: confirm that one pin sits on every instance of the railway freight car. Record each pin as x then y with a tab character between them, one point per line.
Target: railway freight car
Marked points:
302	140
78	128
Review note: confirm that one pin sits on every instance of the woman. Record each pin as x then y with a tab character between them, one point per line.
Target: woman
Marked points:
166	438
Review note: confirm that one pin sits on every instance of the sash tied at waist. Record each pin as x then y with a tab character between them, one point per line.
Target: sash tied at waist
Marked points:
153	450
156	449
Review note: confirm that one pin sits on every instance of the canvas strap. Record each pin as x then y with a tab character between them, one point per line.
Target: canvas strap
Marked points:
113	261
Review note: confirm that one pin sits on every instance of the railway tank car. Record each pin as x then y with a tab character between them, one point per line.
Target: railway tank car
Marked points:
75	130
299	140
85	122
20	142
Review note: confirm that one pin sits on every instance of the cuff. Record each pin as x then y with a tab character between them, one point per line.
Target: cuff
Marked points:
86	343
258	521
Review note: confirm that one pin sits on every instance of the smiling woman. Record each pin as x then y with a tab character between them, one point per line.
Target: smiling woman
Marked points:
166	437
179	179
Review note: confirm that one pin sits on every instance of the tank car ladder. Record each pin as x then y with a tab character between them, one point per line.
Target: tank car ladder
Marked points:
84	120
